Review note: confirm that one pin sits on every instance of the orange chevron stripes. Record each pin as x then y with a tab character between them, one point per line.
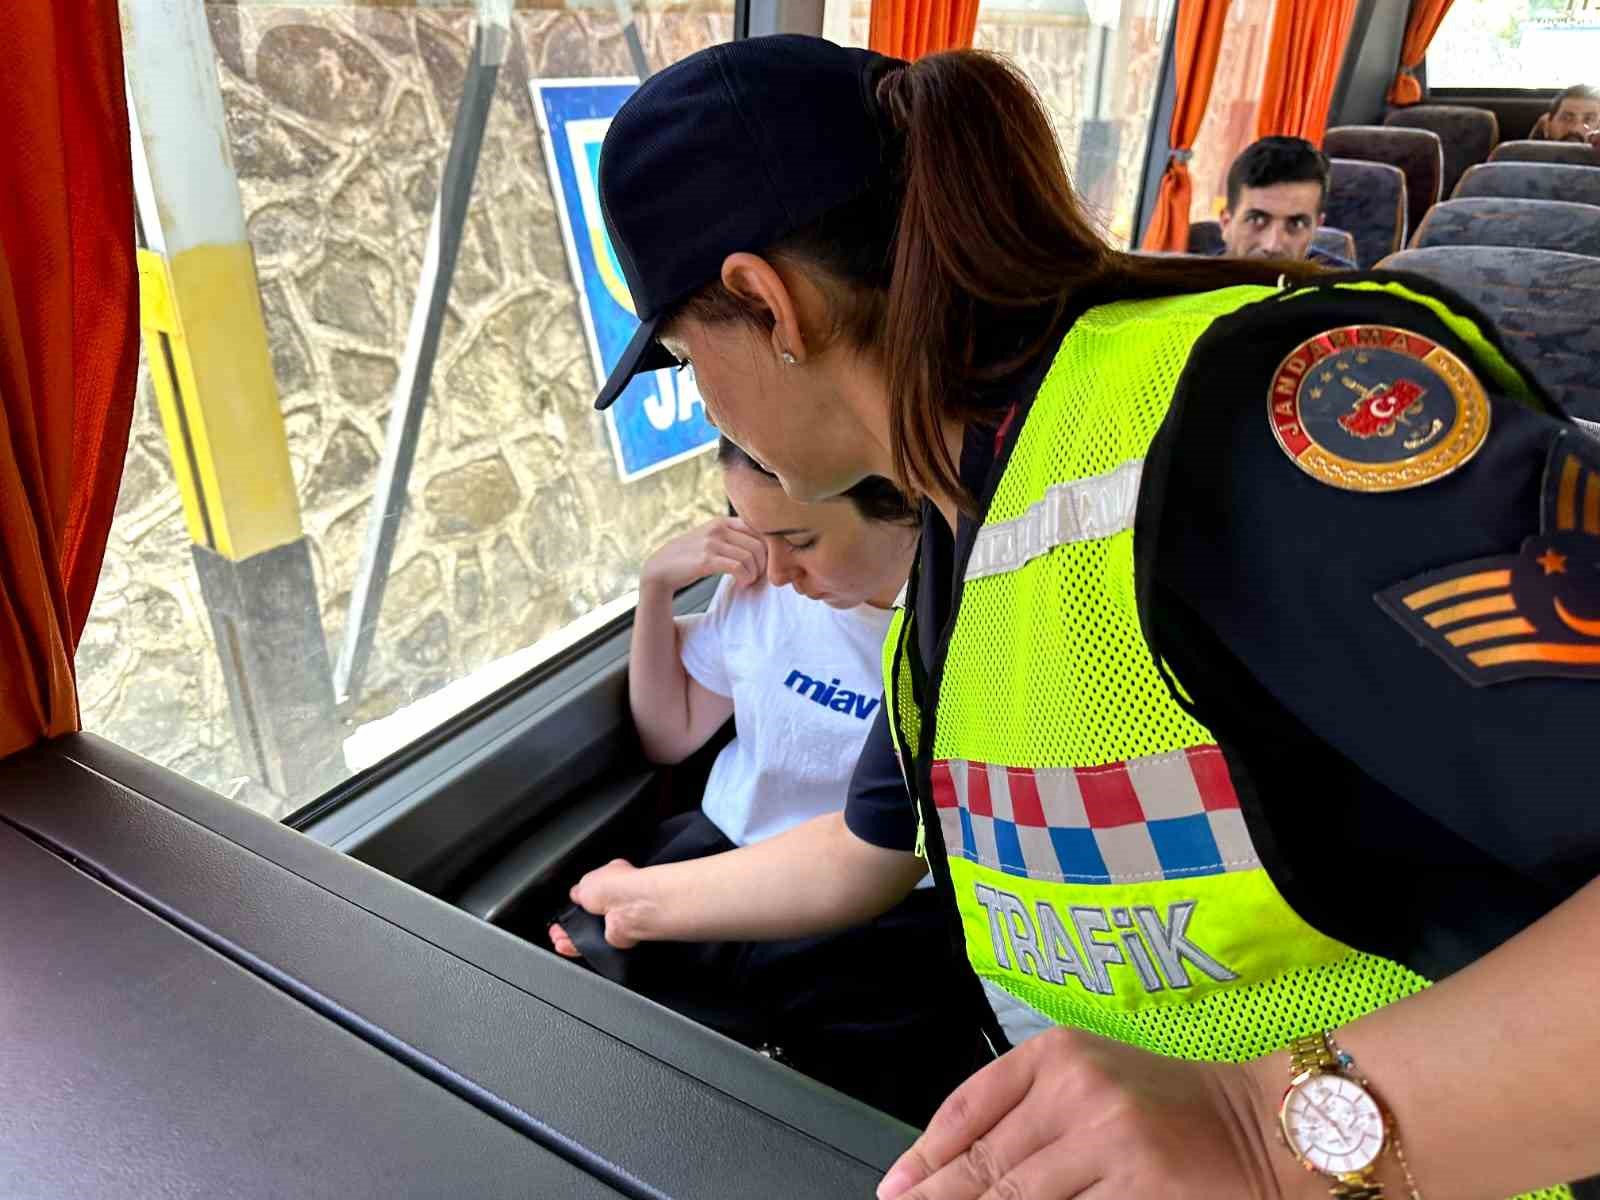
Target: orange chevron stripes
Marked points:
1488	630
1483	581
1503	603
1547	652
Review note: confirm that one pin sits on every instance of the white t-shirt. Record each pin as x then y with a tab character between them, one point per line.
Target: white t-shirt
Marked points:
806	681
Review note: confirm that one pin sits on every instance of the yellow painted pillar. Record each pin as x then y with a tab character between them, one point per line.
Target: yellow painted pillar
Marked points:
206	343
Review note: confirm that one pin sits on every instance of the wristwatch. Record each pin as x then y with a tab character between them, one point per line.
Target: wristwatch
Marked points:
1332	1123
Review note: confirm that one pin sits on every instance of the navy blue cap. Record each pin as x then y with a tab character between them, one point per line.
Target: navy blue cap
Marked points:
729	150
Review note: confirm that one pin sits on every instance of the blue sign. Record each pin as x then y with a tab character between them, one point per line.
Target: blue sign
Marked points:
659	419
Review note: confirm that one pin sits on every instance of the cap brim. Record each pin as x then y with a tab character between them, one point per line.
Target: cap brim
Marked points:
643	354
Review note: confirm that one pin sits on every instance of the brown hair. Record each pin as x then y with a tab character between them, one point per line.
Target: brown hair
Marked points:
874	498
966	263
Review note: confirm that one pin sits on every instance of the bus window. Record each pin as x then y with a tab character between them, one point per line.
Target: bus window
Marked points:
271	664
1515	44
1229	124
1097	65
526	514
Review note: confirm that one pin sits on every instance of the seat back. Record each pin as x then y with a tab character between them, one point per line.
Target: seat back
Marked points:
1542	301
1532	181
1369	200
1336	242
1558	152
1417	152
1500	221
1467	135
1205	237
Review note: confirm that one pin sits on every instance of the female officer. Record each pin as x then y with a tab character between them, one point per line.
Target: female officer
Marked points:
1247	675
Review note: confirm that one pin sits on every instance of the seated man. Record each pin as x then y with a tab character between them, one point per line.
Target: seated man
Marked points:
1276	192
1574	116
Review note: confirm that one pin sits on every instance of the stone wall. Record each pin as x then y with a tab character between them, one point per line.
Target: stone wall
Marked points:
339	119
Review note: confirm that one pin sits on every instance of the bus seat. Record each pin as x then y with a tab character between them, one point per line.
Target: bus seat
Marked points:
1542	301
1337	242
1205	237
1417	152
1558	152
1369	200
1503	221
1467	135
1532	181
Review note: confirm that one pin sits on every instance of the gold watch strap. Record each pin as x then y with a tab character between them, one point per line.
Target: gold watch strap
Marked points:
1311	1053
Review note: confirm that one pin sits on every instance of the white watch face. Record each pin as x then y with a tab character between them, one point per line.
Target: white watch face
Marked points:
1333	1124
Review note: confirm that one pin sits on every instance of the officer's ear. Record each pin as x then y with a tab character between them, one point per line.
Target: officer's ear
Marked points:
762	286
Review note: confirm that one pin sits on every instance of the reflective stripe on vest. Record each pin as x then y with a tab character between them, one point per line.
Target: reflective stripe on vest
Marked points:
1168	816
1069	512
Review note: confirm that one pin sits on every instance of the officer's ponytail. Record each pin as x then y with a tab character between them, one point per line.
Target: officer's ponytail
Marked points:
988	224
993	251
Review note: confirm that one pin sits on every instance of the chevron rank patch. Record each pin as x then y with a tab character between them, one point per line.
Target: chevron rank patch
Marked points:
1372	408
1534	613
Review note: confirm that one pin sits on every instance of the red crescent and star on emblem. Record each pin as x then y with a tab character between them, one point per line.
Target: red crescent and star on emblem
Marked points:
1373	408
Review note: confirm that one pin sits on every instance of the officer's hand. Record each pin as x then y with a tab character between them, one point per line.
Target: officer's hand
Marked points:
1070	1114
611	892
724	546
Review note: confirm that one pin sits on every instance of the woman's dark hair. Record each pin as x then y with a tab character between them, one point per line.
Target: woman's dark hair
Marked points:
875	498
966	264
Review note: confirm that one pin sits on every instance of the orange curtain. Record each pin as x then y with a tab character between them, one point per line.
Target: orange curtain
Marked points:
911	28
1421	25
68	343
1308	41
1197	44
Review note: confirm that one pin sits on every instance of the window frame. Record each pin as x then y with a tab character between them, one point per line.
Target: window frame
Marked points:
1158	137
441	775
1459	95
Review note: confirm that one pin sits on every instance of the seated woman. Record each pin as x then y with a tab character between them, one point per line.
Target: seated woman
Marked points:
790	648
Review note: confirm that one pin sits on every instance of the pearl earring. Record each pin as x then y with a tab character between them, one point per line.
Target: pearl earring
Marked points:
789	360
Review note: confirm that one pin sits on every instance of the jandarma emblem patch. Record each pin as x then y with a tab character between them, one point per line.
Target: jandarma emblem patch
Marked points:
1527	614
1371	408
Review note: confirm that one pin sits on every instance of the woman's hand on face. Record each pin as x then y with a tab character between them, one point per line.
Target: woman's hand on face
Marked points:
1070	1114
724	546
611	892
